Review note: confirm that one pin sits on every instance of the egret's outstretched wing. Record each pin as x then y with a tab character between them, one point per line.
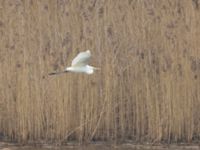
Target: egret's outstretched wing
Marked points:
82	59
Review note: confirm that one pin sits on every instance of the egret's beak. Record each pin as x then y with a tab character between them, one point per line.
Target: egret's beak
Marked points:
96	68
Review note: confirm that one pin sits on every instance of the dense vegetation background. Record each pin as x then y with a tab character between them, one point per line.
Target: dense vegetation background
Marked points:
148	88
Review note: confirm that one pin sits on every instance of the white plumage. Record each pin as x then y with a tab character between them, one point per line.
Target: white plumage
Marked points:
81	59
79	64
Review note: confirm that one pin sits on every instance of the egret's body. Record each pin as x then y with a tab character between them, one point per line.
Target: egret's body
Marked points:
81	69
79	64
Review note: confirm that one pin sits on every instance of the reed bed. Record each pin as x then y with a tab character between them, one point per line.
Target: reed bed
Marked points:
148	88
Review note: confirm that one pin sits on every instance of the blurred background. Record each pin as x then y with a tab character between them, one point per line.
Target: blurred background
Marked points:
148	88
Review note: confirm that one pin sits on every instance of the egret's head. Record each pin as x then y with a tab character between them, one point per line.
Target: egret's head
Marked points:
88	51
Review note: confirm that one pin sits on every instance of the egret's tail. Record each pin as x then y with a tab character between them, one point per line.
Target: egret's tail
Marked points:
57	73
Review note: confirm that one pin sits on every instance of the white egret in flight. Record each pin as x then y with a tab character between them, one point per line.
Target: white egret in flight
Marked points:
79	64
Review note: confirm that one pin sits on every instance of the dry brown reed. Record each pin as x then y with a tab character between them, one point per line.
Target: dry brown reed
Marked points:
148	88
